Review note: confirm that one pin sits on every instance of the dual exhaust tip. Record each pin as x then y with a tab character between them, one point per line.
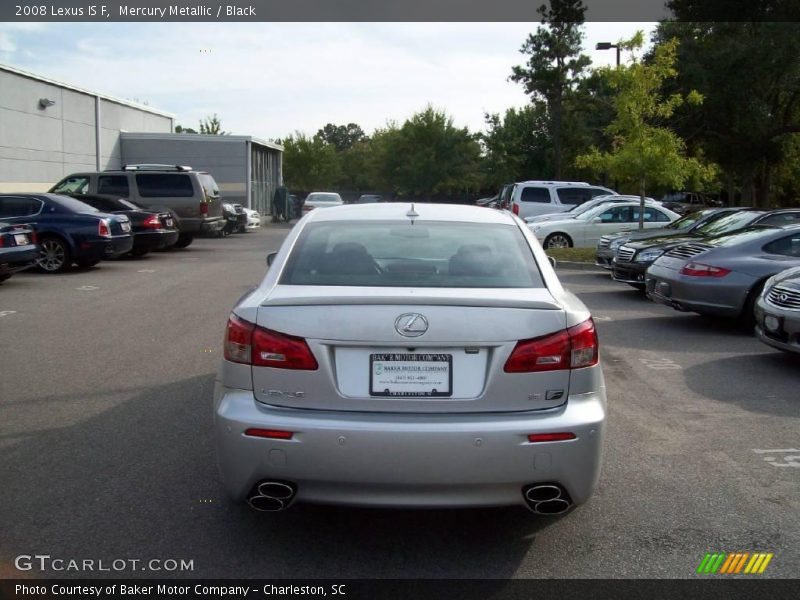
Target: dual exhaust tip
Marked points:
541	499
271	496
547	499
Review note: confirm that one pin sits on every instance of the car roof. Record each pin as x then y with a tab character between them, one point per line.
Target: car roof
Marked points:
399	211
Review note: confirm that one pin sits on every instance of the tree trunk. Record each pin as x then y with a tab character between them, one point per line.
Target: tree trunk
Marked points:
556	133
747	188
641	202
731	190
762	198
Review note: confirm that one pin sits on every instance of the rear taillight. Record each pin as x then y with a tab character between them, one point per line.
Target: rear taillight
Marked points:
2	241
152	222
694	269
247	344
103	228
204	208
515	208
273	349
34	239
573	348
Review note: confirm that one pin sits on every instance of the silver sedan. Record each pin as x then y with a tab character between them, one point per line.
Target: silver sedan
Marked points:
410	356
778	311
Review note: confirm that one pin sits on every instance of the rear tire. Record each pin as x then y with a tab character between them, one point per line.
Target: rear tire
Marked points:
184	240
557	240
54	255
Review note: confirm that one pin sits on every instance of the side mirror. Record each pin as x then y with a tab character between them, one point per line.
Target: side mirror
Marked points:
552	261
271	258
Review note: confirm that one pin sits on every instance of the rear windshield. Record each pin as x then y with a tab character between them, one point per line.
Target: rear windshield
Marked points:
73	205
399	254
210	187
164	185
324	198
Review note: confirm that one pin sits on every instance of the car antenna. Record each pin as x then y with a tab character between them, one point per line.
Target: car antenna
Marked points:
412	214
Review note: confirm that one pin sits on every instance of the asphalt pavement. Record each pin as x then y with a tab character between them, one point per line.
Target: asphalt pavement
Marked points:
106	451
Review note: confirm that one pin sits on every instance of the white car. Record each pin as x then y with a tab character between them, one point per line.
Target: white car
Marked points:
321	200
584	230
588	205
253	219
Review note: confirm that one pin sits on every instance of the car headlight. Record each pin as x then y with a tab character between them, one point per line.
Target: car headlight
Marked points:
648	255
617	243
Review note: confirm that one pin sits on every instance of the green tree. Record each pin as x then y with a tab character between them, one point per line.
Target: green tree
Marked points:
749	75
342	137
211	125
182	129
309	163
643	150
517	145
555	65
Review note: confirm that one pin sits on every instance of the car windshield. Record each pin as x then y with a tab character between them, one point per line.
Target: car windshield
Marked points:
687	221
728	223
743	236
324	197
399	254
73	205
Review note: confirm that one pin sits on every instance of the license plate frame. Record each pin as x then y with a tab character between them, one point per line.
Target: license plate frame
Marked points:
126	226
423	367
20	239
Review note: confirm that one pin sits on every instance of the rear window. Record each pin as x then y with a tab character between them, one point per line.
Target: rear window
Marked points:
73	205
210	187
535	194
164	185
575	195
399	254
333	198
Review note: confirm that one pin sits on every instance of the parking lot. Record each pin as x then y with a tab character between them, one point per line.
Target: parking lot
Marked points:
107	452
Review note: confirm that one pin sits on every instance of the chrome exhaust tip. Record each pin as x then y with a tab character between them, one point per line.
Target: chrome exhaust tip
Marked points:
271	496
547	499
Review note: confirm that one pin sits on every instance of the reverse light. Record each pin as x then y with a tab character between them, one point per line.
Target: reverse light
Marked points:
561	436
694	269
573	348
248	344
103	228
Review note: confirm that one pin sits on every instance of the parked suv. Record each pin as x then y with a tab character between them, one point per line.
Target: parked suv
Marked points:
534	198
191	196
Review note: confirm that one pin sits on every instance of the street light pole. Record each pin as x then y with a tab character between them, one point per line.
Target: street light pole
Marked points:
609	46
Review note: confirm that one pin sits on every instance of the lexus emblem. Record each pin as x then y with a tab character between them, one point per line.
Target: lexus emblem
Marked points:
411	325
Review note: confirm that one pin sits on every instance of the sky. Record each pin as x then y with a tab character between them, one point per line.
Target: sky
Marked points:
270	80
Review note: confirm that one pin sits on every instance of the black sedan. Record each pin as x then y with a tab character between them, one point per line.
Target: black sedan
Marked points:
68	230
633	258
18	249
152	230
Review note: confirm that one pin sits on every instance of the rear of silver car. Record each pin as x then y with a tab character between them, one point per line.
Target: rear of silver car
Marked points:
409	395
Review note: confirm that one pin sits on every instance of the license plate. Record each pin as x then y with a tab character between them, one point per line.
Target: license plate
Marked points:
20	239
417	375
126	226
772	322
169	222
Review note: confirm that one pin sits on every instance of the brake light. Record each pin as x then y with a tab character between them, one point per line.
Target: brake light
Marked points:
274	434
273	349
204	208
694	269
248	344
515	208
152	222
103	228
2	241
573	348
561	436
33	237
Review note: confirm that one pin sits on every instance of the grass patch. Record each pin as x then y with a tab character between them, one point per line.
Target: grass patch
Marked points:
581	255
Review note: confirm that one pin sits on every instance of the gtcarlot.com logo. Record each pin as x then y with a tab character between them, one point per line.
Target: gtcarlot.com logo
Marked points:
734	563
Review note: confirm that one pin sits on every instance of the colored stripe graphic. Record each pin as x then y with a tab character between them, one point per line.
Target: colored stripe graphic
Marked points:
734	563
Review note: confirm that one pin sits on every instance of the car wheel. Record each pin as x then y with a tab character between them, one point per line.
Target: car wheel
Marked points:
85	263
558	240
184	240
54	255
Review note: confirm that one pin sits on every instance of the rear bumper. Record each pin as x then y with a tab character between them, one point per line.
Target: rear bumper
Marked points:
694	294
209	225
18	258
408	460
100	248
154	240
